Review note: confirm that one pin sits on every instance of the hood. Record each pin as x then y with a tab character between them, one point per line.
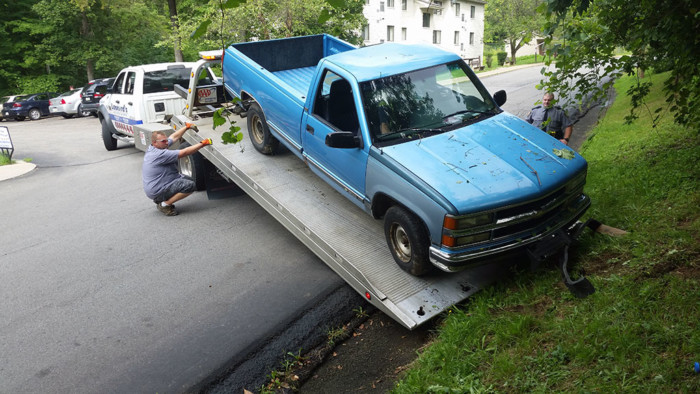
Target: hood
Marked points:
499	161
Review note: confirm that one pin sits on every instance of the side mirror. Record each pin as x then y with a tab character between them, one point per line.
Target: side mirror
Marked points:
500	97
342	139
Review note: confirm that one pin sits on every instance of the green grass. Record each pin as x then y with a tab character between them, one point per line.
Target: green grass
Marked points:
639	332
4	160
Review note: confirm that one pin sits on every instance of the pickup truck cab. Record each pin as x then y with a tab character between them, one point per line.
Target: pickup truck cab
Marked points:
409	134
144	95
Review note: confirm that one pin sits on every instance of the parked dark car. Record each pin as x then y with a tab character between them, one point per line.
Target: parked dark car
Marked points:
33	106
93	93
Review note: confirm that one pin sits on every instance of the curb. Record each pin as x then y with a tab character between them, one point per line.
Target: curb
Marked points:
20	168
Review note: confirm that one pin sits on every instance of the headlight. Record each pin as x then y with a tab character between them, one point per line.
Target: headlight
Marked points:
466	222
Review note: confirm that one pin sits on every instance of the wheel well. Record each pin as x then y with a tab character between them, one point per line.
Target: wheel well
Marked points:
381	203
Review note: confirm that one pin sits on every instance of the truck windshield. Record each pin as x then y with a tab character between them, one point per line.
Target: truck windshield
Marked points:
424	102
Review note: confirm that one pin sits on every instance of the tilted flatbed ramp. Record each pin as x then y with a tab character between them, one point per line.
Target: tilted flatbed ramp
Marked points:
347	239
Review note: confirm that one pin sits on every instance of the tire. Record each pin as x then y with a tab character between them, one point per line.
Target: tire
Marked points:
407	240
192	166
68	116
34	114
259	132
82	113
107	137
19	118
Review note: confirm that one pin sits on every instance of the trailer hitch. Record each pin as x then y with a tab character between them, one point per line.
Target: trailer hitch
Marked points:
557	244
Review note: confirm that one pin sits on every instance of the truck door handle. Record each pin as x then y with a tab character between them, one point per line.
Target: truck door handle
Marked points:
310	129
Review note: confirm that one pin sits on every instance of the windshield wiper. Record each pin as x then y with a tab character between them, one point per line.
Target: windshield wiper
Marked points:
473	111
403	133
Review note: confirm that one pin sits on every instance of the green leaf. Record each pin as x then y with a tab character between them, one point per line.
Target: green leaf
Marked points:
336	3
201	29
233	4
324	17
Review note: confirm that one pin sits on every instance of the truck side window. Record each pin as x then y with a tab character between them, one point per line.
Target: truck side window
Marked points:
130	82
119	84
335	103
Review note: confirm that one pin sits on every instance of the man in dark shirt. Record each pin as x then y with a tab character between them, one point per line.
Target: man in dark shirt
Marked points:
551	119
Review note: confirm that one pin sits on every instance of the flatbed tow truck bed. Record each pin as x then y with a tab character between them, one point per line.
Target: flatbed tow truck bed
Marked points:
347	239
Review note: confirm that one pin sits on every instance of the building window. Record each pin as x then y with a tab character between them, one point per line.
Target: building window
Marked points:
471	38
365	33
381	6
426	19
404	4
456	37
457	9
390	33
436	36
462	17
390	3
473	12
404	33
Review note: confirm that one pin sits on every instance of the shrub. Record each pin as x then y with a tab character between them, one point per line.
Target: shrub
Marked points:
489	60
501	57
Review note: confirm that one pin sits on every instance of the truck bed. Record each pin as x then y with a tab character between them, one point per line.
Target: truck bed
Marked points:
298	79
339	233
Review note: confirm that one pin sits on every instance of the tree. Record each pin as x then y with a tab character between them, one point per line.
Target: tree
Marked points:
513	21
663	35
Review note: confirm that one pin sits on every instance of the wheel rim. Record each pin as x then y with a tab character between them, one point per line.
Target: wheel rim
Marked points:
34	114
258	133
400	243
186	166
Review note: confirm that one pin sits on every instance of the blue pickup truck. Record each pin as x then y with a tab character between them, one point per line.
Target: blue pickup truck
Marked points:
409	134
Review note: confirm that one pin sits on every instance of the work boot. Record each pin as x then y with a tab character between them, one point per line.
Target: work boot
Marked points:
168	210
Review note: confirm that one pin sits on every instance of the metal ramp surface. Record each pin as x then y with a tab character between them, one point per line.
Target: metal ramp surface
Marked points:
347	239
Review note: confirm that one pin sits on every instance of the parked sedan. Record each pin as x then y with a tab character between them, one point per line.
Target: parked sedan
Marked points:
32	105
68	104
3	100
93	93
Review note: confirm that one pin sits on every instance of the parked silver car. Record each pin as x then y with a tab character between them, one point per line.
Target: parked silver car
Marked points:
68	104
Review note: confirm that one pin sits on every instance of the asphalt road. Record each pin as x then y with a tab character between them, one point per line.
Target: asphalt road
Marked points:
102	293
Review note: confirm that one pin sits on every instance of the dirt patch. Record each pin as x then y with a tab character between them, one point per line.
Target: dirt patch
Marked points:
372	359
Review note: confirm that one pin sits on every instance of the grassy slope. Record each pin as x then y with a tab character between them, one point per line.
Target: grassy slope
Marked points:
640	331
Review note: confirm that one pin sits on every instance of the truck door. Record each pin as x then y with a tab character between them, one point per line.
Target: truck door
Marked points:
122	110
334	109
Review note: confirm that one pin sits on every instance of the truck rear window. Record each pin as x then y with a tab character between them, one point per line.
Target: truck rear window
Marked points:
164	80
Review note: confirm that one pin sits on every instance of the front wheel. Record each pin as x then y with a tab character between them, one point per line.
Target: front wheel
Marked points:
107	137
259	132
34	114
407	240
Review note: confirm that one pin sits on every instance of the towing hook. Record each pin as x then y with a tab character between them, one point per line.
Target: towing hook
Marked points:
581	287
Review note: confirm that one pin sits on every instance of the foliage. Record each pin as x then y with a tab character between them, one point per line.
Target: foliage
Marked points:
501	56
639	332
511	21
223	115
657	34
489	59
49	45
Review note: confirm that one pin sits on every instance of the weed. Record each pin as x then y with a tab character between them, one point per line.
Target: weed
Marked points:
360	312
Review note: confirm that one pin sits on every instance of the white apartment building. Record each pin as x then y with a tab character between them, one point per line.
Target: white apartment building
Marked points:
453	25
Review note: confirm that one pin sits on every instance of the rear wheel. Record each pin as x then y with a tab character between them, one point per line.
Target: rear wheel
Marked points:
68	116
407	240
19	118
259	132
107	137
192	166
82	112
34	114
